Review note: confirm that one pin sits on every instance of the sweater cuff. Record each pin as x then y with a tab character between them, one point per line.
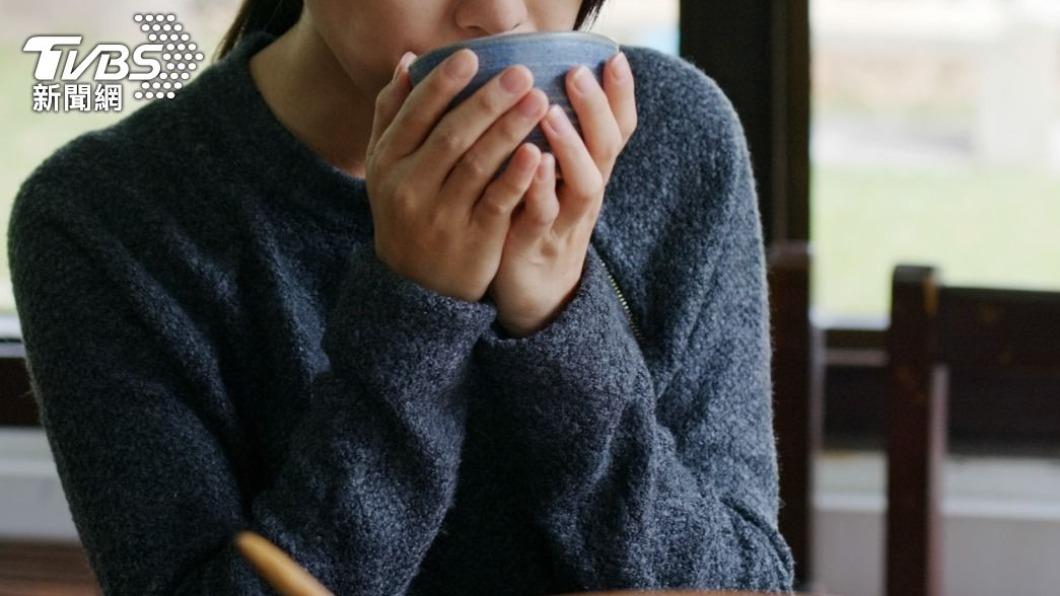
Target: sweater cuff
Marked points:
388	328
587	352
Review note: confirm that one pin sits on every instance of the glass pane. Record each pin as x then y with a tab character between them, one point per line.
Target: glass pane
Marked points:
936	140
636	22
30	136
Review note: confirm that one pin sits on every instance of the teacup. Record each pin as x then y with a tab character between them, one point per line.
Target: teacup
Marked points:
549	55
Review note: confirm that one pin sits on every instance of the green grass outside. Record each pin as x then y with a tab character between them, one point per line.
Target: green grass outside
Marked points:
992	227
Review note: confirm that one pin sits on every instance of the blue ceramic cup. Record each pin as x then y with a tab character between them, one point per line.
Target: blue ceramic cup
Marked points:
549	55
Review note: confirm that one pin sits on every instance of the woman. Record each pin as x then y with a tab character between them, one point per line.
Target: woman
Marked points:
290	300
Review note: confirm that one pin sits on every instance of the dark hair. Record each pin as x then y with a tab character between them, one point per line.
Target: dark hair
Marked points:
277	16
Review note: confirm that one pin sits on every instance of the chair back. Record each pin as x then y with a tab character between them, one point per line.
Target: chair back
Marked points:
934	329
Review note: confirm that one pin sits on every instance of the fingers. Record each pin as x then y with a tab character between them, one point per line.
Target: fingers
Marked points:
480	163
541	207
427	102
494	209
462	127
598	126
390	98
582	180
620	89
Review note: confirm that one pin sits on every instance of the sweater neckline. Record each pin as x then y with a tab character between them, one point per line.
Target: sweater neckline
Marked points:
266	147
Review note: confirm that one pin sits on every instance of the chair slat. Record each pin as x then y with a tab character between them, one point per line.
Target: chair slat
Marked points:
916	415
798	397
997	328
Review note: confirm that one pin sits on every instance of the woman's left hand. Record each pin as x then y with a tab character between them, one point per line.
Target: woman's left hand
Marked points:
546	245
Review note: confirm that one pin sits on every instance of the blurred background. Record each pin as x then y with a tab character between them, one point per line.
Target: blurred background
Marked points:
932	136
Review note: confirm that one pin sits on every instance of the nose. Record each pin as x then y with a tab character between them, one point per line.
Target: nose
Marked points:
491	17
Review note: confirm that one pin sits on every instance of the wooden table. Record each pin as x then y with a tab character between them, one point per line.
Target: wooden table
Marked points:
690	593
35	568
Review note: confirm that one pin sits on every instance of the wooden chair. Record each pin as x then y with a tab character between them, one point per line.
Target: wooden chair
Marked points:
798	358
935	329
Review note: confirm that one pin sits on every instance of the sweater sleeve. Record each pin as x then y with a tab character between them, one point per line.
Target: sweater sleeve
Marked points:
625	500
130	391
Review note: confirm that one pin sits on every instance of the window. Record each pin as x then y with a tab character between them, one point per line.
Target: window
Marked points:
36	135
936	140
636	22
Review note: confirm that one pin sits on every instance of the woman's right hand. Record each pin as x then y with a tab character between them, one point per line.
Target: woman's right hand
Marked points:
440	218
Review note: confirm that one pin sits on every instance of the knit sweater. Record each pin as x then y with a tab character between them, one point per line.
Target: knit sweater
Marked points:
215	346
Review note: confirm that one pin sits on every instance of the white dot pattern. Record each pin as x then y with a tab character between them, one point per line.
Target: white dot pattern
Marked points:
181	54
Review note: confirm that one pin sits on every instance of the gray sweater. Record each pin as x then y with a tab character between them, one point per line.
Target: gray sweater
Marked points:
215	346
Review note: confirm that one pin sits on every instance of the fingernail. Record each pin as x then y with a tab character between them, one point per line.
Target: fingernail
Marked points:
529	106
621	67
545	166
460	63
406	58
583	79
513	80
558	120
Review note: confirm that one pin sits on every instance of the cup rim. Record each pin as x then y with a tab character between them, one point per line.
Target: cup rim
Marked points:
479	42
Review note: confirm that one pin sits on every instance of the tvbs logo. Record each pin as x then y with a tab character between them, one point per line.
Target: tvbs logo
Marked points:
161	66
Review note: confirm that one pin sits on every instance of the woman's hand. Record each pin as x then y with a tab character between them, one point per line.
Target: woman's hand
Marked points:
545	250
440	218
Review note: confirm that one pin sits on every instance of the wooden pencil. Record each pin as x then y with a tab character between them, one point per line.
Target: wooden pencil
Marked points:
278	569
